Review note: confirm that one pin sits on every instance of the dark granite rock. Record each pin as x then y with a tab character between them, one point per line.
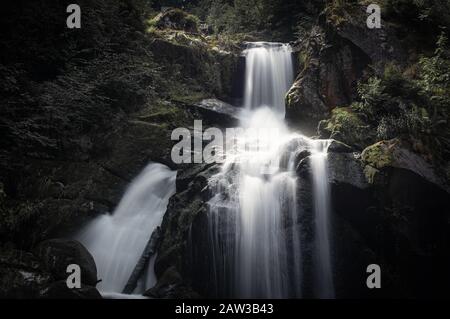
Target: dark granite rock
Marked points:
57	254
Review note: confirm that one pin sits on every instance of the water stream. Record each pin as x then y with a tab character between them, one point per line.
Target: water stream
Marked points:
117	241
254	216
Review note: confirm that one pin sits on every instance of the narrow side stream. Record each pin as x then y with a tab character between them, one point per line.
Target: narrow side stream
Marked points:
117	241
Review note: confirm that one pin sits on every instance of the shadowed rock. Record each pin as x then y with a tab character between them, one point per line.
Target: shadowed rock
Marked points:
57	254
218	111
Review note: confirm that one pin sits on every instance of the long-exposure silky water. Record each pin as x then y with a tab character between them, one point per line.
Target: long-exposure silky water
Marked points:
323	276
117	241
256	254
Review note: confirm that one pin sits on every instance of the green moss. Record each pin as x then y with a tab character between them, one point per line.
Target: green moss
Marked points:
370	173
378	155
343	117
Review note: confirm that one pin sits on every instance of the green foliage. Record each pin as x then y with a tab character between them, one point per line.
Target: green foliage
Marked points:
428	14
378	155
347	125
373	96
435	71
413	107
238	16
414	121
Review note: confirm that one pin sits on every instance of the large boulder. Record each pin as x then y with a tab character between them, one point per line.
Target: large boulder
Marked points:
391	200
59	290
346	168
395	154
57	254
170	285
339	147
214	70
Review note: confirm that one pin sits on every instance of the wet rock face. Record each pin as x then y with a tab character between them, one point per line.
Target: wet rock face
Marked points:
332	58
346	168
339	147
214	69
413	237
180	225
398	221
402	216
412	218
380	45
350	199
330	70
393	153
57	254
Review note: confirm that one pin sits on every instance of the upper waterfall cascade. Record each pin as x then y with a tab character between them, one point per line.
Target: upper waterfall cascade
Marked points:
268	75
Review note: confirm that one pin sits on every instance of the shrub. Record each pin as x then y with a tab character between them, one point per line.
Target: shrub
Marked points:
416	108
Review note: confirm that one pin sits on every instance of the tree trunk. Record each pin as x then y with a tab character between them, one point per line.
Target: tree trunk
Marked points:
148	252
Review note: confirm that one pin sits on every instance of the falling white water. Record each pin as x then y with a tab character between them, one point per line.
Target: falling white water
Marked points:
322	261
253	217
268	75
117	241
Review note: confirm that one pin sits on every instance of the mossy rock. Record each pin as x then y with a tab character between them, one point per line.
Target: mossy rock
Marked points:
379	155
371	174
397	154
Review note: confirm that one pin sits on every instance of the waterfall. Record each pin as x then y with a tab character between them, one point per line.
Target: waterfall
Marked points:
256	239
322	262
117	241
268	75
